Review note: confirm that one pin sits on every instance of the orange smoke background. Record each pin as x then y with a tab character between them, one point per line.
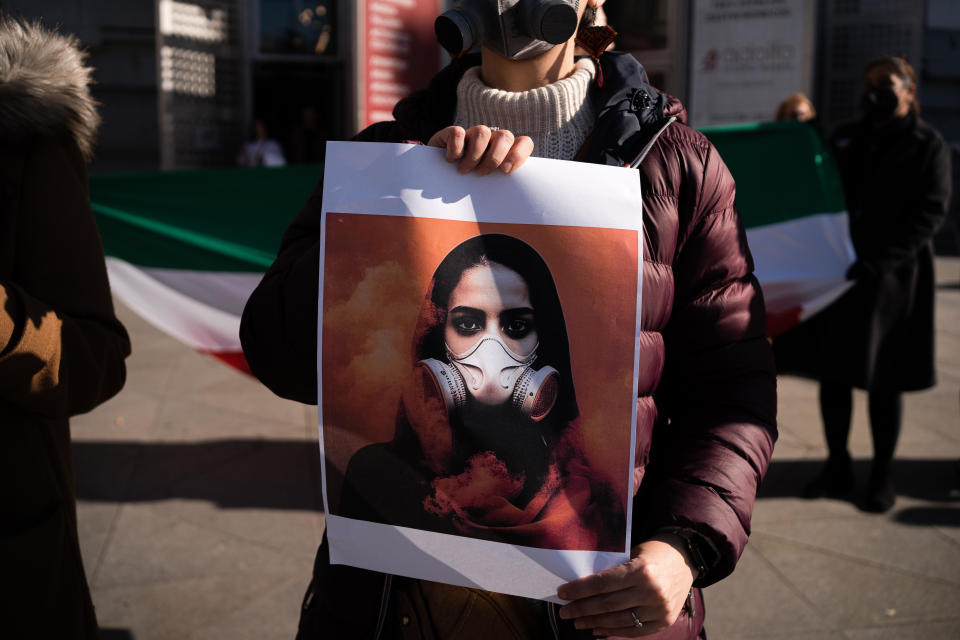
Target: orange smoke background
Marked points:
376	273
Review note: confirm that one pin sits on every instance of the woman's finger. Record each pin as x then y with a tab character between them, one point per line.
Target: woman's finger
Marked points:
614	579
483	148
456	143
501	142
605	603
439	139
650	617
521	150
630	623
451	139
477	139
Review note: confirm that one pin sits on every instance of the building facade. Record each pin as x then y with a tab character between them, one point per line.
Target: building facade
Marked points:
181	82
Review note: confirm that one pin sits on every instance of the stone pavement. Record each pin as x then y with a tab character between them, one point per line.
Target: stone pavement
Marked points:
200	510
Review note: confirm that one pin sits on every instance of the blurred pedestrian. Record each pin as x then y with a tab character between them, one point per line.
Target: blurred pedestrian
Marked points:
796	108
262	151
308	140
954	216
896	175
707	391
62	349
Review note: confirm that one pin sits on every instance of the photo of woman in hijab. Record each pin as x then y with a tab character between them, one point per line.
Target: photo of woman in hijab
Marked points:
487	441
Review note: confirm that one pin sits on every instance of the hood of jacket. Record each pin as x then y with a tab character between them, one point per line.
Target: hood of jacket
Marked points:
44	86
630	110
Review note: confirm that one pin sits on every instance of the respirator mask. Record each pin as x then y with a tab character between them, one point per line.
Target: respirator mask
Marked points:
493	374
515	29
879	103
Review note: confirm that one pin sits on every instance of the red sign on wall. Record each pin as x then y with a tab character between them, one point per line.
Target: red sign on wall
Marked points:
398	53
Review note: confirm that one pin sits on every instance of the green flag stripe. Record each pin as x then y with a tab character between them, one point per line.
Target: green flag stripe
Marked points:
221	219
163	238
233	219
783	170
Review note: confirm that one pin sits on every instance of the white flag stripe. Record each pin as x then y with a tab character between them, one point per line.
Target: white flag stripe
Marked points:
192	321
815	246
802	263
811	295
223	290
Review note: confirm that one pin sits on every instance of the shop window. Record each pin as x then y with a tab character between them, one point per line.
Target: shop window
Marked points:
642	26
655	31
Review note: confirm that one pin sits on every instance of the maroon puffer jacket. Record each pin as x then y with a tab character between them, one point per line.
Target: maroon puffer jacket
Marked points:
707	387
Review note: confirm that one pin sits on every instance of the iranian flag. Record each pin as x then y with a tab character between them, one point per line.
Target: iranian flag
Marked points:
186	248
791	200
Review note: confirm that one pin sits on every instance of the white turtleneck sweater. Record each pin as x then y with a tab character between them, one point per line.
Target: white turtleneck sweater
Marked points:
558	116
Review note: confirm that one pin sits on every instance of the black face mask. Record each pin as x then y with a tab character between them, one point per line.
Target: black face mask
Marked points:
879	103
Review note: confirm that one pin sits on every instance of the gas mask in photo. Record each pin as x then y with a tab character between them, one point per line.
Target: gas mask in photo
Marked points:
515	29
493	375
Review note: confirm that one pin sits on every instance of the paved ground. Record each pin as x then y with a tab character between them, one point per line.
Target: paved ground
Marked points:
200	511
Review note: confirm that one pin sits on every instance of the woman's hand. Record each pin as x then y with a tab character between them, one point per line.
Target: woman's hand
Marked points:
483	149
653	585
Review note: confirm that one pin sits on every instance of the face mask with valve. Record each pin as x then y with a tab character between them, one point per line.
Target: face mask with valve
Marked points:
492	374
515	29
879	103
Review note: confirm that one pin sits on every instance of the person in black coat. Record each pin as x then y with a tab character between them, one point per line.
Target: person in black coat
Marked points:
879	336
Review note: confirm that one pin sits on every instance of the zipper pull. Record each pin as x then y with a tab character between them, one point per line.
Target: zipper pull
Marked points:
691	609
552	617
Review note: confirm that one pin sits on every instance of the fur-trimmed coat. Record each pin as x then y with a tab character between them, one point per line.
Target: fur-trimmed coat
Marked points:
62	349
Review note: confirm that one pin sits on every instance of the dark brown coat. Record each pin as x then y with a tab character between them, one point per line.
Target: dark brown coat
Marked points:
707	390
880	334
62	349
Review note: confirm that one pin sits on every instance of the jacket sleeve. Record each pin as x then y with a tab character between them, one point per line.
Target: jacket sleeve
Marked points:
717	398
387	131
917	225
62	349
278	329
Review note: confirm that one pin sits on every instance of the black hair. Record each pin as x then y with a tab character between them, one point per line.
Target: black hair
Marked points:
900	67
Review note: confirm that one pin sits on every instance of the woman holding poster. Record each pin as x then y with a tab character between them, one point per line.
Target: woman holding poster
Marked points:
487	441
706	388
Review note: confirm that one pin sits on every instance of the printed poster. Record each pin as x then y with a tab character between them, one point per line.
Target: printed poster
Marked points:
477	367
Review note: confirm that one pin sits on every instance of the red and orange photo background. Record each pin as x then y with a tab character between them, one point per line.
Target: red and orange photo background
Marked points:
376	271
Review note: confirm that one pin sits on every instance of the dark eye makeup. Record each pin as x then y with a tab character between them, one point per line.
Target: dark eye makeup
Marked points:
467	321
517	323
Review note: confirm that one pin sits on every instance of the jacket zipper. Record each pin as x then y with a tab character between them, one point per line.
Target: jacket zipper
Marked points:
384	605
647	147
551	607
552	616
